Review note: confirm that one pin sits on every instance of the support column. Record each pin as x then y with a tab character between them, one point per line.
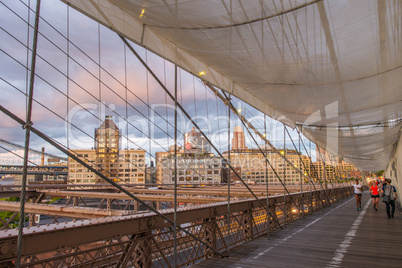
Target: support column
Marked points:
31	216
136	206
158	205
209	235
109	204
75	201
247	222
137	252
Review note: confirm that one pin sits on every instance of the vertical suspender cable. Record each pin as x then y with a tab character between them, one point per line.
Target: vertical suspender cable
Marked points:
27	127
325	175
126	94
324	171
309	155
266	176
294	145
228	164
99	173
149	124
166	106
311	189
284	174
100	75
68	74
175	167
301	185
189	117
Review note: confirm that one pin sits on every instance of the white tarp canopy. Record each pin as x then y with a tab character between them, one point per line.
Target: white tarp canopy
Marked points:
333	68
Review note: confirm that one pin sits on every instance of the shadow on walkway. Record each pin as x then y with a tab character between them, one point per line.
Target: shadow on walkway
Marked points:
339	236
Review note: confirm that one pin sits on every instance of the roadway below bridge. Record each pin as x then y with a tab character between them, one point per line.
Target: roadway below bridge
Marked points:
339	236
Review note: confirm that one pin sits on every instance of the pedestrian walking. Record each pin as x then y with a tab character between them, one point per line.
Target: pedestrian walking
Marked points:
375	194
389	196
358	194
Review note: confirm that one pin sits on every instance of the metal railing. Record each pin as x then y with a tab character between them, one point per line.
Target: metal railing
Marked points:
146	240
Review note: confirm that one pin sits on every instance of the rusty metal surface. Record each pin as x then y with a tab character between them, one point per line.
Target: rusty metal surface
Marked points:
122	196
62	211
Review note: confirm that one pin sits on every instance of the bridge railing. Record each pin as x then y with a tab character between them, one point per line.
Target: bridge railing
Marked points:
147	240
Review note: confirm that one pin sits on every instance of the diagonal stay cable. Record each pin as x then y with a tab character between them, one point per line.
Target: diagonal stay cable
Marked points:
77	103
44	106
27	126
31	150
326	172
311	166
97	172
298	153
18	155
323	188
263	138
325	176
188	116
73	100
336	170
90	58
262	152
325	169
308	154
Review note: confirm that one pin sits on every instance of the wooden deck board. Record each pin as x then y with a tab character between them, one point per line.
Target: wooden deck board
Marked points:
313	241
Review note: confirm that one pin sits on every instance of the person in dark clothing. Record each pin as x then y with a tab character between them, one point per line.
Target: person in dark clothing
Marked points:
389	190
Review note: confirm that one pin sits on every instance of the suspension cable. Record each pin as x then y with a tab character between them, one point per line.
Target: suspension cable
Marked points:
187	115
100	174
229	103
298	153
27	126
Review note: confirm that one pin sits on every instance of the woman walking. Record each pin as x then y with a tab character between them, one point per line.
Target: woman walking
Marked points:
358	194
375	194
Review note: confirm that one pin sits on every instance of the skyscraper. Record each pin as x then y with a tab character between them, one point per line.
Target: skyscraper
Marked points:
238	141
194	140
107	139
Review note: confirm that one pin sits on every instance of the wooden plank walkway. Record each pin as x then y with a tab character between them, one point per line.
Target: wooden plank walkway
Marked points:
339	236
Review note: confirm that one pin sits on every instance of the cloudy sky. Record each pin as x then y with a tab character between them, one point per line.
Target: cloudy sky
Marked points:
90	74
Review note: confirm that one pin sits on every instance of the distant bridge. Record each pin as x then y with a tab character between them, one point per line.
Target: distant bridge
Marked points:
38	170
10	146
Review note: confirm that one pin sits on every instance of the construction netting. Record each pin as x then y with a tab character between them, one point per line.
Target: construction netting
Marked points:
332	68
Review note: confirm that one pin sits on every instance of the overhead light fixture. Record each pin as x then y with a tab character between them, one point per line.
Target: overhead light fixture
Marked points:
202	73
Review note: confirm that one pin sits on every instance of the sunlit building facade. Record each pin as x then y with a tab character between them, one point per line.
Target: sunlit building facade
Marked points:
121	165
255	169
